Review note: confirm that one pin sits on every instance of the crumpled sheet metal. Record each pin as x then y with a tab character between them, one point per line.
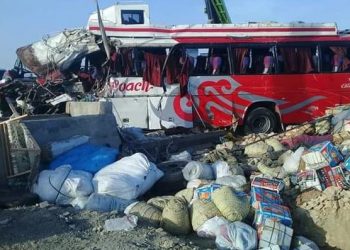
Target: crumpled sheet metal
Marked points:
57	52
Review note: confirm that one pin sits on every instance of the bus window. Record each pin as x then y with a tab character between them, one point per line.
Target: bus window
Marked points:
254	60
209	61
132	17
335	59
297	59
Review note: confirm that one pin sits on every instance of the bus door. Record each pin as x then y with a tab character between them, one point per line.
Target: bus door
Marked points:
172	108
211	86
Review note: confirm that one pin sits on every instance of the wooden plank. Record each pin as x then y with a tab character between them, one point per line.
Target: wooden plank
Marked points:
19	174
13	119
3	161
7	151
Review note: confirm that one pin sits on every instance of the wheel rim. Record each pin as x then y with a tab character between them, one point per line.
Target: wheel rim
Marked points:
261	124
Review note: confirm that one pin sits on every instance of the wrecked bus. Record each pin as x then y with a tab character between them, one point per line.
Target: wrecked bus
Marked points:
259	75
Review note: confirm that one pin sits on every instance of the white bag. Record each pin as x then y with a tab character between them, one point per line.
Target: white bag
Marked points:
221	169
236	235
183	156
127	178
196	183
197	170
302	243
106	203
291	165
63	185
235	181
211	227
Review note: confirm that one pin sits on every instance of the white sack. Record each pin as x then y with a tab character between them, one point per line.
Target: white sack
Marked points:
235	181
237	235
127	178
211	227
291	164
63	185
197	170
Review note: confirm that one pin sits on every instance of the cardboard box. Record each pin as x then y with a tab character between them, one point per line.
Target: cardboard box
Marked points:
265	196
204	193
347	164
269	184
308	179
321	155
273	233
272	211
331	177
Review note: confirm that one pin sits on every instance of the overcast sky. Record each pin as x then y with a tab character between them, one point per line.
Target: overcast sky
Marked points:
25	21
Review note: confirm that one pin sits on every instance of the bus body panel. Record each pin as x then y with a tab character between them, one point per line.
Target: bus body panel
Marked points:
218	100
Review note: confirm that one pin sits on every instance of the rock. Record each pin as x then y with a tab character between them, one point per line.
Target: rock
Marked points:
226	145
44	204
257	149
275	144
167	244
65	214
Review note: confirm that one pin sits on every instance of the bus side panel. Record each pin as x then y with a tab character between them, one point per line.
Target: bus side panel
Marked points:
140	104
304	97
169	112
130	111
213	100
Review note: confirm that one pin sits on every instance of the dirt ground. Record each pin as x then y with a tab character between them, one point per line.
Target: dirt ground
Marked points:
323	217
67	228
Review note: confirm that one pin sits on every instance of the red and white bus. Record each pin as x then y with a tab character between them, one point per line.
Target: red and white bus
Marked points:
261	75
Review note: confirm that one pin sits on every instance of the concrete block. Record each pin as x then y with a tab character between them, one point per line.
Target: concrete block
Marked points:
88	108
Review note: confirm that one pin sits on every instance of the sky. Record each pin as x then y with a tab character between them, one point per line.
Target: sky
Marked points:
23	22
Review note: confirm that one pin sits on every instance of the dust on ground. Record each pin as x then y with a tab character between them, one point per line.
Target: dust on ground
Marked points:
323	217
67	228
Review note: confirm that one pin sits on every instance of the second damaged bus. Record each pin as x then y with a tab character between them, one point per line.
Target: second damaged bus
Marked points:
260	75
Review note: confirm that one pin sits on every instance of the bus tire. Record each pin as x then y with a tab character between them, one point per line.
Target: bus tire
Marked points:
260	120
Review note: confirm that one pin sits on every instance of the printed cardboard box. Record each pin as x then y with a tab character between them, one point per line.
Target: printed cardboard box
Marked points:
272	211
321	155
204	193
308	179
265	196
272	233
269	184
331	177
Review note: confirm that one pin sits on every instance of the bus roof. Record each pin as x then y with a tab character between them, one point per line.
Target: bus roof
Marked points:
269	29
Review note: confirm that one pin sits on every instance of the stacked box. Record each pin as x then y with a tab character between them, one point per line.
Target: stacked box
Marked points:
308	179
259	195
321	155
204	193
273	233
269	184
347	164
331	177
272	211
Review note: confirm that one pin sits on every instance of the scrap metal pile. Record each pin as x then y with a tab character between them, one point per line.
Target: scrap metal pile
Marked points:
67	66
246	193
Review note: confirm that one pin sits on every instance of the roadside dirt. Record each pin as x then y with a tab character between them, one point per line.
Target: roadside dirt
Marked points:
66	228
324	217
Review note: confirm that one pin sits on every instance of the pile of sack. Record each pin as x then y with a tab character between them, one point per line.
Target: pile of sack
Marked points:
96	181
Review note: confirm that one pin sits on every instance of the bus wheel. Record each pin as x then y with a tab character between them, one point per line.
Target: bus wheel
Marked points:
260	120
